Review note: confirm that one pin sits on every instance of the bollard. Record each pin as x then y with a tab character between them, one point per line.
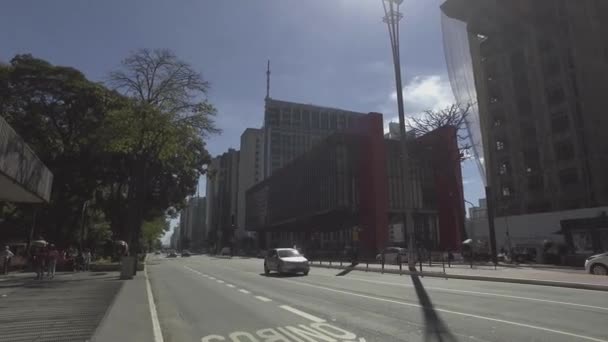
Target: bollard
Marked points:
400	266
382	263
366	266
340	262
443	263
329	261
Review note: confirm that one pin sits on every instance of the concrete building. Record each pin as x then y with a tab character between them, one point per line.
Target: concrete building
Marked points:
23	177
222	198
348	190
193	224
291	129
533	69
251	171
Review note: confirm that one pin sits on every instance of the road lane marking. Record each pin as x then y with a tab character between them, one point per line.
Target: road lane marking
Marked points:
156	332
560	332
230	285
263	299
220	281
212	278
482	293
302	314
244	291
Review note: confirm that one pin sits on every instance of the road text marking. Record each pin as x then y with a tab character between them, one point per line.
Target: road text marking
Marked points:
560	332
263	299
319	331
302	313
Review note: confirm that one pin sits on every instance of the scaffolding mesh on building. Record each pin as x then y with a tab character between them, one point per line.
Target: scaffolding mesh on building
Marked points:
462	81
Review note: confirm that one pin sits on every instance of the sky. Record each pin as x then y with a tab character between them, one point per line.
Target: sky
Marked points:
327	52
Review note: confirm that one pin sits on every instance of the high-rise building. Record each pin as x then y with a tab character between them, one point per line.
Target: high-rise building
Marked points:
222	195
193	223
291	129
538	67
534	72
251	170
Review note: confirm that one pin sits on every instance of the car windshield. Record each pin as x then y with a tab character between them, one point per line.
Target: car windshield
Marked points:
285	253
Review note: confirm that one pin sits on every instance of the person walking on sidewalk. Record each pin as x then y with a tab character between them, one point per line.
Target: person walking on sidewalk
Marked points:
86	259
39	258
51	261
6	256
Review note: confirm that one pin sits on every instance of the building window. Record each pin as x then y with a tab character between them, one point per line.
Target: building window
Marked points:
504	168
560	124
497	122
506	191
568	176
564	150
500	145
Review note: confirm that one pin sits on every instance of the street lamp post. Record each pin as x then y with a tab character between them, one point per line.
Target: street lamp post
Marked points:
392	16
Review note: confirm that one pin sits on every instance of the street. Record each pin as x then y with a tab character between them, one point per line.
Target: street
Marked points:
209	299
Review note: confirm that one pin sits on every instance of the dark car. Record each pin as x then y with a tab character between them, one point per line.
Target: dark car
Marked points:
186	254
172	255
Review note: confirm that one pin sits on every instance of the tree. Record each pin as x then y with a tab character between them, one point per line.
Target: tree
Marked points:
58	112
152	231
453	115
161	133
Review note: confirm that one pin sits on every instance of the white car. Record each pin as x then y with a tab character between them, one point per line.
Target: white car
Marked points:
285	260
597	264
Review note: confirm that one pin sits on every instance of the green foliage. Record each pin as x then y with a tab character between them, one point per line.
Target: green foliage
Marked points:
136	153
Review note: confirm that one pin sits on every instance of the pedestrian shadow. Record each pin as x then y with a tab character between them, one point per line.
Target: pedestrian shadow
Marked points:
435	329
347	270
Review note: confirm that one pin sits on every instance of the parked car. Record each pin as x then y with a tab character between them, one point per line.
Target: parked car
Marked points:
226	251
172	254
597	264
186	253
391	255
285	260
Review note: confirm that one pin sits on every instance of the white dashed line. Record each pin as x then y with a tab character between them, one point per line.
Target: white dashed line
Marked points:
220	281
302	314
464	314
263	299
230	285
244	291
212	278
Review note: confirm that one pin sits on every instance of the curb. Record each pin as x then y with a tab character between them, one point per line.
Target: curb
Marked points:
582	286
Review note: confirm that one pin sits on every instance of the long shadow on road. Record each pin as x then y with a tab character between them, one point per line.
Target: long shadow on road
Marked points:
435	329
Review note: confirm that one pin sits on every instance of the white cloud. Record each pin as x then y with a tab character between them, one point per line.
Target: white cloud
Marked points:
420	94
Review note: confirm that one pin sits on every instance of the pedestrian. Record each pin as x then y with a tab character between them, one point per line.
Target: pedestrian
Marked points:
86	259
39	258
51	261
6	257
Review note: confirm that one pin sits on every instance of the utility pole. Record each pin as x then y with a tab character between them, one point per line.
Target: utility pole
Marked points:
392	16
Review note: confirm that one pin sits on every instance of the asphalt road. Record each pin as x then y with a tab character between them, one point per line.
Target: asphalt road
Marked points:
211	299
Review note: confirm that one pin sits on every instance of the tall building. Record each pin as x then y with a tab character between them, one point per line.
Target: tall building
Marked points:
534	71
222	195
251	170
537	66
291	129
193	223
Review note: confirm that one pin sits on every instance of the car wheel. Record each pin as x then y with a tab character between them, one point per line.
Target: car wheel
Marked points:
599	269
266	270
306	272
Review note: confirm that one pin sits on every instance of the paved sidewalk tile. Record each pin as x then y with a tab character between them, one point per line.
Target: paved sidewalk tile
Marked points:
67	308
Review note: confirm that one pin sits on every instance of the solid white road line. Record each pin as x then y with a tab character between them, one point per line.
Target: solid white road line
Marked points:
482	294
230	285
559	332
158	335
302	313
244	291
263	299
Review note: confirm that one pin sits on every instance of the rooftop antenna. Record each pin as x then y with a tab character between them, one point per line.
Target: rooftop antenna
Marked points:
268	80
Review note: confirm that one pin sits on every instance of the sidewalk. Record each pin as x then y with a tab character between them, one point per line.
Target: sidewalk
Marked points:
67	308
550	276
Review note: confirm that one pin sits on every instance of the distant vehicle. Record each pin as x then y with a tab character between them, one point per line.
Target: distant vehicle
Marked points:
225	251
285	260
391	255
157	253
186	253
172	254
597	264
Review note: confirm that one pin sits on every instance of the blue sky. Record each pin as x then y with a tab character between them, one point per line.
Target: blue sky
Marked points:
327	52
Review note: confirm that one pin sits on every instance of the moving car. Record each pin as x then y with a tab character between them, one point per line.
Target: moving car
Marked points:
226	251
172	254
391	255
186	253
597	264
285	260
